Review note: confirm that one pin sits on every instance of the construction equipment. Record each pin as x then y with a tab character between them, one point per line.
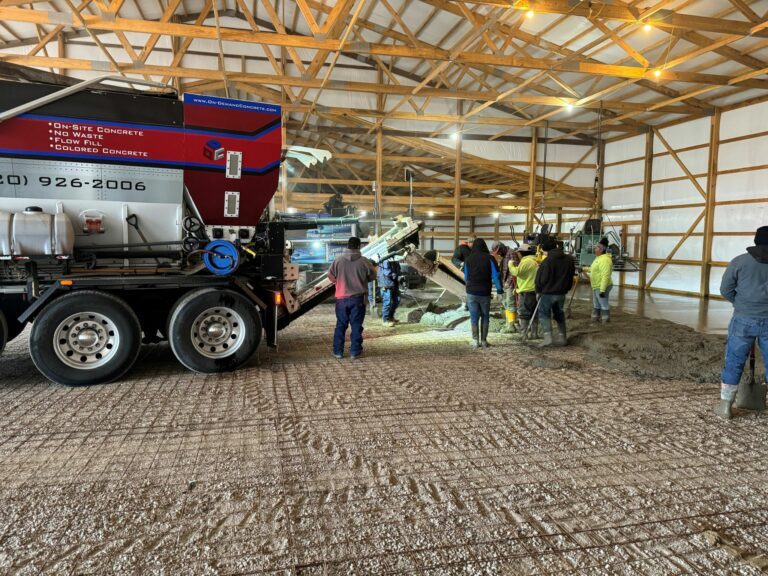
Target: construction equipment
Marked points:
582	246
209	268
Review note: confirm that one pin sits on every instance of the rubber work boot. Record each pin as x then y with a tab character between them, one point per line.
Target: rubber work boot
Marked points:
561	337
547	338
524	329
605	317
533	333
475	338
595	316
751	396
723	409
485	325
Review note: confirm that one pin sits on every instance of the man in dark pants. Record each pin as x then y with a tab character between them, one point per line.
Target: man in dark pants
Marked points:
351	272
745	285
554	280
389	282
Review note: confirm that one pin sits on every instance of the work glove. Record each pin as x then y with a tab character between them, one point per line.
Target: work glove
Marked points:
602	294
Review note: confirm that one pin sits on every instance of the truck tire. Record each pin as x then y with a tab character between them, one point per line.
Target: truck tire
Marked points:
3	331
85	337
212	330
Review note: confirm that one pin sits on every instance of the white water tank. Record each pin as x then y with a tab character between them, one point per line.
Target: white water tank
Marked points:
35	233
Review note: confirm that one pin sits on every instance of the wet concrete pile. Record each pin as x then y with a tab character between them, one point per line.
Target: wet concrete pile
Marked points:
632	344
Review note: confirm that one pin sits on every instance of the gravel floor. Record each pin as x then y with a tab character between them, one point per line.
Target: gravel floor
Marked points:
422	458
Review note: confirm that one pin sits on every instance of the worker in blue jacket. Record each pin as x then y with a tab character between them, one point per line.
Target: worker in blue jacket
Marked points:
389	284
481	274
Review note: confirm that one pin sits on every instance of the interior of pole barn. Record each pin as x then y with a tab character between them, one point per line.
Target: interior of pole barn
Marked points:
182	187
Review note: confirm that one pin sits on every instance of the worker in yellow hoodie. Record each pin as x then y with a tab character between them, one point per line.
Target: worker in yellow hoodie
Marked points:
525	273
600	277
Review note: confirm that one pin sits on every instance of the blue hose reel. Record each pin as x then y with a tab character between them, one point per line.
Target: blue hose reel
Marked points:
221	257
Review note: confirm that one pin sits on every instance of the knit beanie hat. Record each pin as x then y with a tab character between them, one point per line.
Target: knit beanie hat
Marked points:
604	241
761	236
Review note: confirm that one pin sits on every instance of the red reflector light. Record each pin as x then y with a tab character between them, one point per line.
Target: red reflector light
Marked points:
278	299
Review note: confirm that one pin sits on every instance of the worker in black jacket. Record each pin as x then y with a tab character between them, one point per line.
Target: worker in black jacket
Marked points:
462	252
481	273
554	280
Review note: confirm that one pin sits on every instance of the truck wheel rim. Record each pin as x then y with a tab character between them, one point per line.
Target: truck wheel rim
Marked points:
86	340
218	332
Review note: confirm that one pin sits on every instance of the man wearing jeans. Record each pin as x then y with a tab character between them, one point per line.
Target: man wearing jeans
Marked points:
554	280
351	272
389	282
600	278
745	285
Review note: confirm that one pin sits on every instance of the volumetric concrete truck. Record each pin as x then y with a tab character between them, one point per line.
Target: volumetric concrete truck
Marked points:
130	216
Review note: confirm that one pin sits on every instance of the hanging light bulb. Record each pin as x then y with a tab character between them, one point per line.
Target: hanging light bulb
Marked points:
431	214
569	107
657	73
647	27
530	14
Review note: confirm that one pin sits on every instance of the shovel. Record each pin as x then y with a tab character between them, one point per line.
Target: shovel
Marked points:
751	396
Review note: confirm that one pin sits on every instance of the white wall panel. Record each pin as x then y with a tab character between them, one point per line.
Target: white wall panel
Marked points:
725	248
684	135
743	121
677	192
743	185
629	173
676	277
675	220
741	218
659	247
743	153
623	198
624	149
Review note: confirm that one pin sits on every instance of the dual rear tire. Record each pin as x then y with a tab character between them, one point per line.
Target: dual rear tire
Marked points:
212	330
93	337
85	337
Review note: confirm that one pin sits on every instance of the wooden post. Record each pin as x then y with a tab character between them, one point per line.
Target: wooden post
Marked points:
529	217
709	208
61	51
496	229
379	178
646	217
558	222
457	182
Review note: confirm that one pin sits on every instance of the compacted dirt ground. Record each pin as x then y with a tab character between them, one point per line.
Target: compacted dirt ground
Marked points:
423	457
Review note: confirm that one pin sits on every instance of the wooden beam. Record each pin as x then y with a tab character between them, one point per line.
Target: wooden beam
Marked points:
192	31
529	218
709	209
667	19
379	181
679	162
646	208
457	182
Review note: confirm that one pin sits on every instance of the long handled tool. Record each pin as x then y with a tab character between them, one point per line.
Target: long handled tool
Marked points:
752	395
531	321
570	300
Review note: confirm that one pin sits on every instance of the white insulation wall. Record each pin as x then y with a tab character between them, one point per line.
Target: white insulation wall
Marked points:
741	196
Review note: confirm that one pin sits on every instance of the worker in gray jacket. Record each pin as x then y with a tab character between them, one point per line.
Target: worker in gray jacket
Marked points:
745	285
351	272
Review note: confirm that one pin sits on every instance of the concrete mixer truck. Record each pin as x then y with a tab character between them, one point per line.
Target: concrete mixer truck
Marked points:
131	215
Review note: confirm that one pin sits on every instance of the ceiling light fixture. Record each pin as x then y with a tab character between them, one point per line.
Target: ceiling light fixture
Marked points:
495	215
431	214
657	73
530	14
647	27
